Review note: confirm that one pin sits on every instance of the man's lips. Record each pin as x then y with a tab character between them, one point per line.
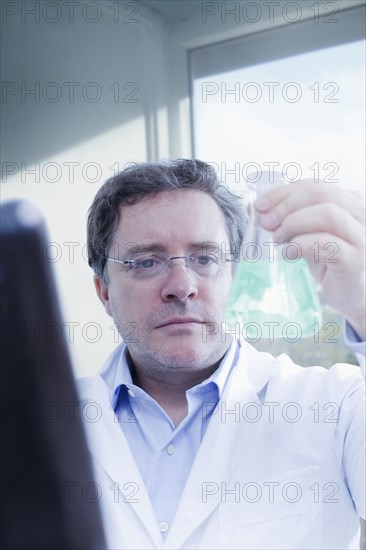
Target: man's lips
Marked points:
180	321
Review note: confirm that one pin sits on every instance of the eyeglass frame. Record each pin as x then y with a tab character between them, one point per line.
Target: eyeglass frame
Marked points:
169	262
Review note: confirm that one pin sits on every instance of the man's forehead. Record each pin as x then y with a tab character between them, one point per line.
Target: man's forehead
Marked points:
188	218
166	199
196	206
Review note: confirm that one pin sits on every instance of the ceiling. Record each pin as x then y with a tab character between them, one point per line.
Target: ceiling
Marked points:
175	11
178	11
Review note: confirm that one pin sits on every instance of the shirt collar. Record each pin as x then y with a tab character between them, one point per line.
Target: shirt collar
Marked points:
220	376
123	374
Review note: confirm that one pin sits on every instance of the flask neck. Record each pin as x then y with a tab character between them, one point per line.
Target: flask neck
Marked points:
265	181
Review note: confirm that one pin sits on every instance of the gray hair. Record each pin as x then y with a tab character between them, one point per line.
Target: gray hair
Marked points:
143	180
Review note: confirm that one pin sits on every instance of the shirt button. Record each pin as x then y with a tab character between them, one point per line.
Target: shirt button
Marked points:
163	527
131	393
170	449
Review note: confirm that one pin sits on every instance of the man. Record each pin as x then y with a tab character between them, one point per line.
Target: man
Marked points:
200	441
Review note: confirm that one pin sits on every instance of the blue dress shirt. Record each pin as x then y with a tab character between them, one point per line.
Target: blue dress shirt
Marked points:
164	453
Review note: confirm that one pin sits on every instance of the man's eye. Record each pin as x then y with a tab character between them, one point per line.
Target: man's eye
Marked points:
146	263
204	259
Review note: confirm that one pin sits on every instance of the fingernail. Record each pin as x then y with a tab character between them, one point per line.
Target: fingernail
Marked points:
272	220
262	203
278	236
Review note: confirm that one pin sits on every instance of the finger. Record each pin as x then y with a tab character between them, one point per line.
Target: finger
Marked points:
324	251
318	248
321	218
284	200
271	198
337	266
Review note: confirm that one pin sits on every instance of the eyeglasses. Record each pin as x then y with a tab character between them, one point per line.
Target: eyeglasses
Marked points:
151	266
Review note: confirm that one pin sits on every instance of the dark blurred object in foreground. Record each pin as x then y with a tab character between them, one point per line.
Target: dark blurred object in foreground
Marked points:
49	499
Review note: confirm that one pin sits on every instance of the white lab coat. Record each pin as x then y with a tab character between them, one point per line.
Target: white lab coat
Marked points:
284	469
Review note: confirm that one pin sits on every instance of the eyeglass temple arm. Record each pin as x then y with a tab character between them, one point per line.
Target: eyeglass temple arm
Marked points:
123	262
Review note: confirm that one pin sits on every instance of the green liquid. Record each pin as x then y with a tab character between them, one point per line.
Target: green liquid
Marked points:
279	293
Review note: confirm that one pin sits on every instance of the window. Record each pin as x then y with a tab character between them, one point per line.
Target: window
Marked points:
291	99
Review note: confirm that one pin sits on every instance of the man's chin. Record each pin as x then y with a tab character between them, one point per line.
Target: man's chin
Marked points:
188	354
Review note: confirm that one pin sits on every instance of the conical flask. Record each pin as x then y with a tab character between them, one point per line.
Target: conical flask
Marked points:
272	296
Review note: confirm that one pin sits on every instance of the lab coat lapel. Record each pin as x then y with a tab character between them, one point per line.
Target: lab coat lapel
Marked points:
222	448
110	448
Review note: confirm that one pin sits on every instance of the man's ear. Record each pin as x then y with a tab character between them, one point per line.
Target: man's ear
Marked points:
103	295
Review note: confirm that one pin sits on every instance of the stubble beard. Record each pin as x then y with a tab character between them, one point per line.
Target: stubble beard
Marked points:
183	353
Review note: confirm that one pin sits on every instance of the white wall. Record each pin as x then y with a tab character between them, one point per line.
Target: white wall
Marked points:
58	153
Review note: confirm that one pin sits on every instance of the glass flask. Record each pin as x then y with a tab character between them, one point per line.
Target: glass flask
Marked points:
272	296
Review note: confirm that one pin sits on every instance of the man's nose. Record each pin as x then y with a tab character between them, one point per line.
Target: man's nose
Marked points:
180	284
